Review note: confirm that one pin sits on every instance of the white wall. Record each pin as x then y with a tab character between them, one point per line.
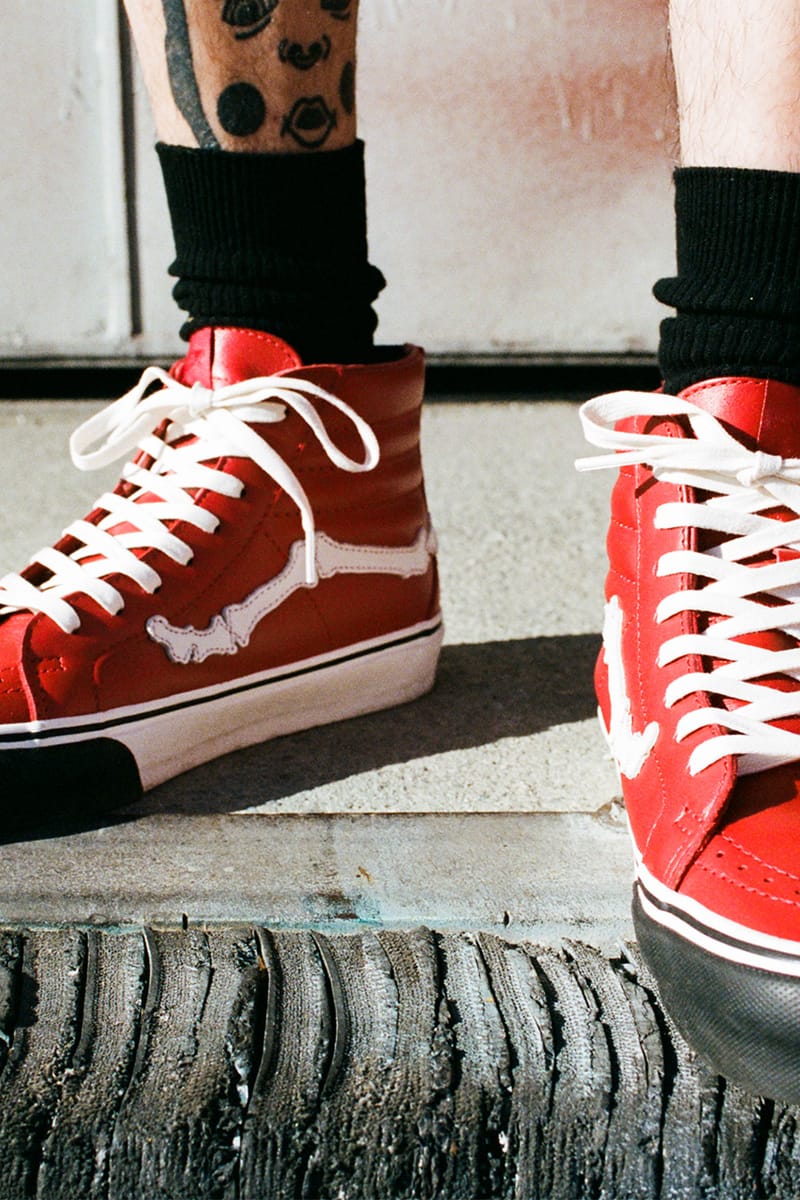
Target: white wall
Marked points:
62	232
519	155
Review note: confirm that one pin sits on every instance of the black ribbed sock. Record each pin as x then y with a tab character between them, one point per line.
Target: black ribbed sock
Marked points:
275	242
737	290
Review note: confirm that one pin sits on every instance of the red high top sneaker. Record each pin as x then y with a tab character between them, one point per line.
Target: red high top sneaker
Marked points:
266	564
699	690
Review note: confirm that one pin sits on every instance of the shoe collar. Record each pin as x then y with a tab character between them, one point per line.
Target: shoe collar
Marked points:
761	413
220	356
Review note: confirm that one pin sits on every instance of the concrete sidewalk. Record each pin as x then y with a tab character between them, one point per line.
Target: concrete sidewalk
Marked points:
487	805
280	975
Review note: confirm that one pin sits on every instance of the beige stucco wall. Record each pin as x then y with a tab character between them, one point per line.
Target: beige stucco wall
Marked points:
519	156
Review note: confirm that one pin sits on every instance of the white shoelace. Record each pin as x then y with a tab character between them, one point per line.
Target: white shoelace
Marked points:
743	483
219	421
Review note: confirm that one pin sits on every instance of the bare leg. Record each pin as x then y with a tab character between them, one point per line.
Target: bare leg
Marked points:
737	288
254	75
737	67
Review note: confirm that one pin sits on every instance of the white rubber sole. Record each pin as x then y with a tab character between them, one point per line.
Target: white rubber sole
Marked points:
176	733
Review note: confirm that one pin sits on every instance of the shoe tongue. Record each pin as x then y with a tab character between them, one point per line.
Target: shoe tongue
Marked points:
761	413
219	356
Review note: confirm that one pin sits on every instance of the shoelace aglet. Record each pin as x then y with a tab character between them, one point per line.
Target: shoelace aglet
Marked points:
312	578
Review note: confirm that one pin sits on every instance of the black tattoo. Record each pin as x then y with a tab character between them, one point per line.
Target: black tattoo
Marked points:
310	122
182	78
347	88
249	17
340	9
304	57
241	109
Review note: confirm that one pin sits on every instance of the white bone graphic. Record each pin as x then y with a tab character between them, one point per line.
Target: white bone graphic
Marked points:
233	627
631	750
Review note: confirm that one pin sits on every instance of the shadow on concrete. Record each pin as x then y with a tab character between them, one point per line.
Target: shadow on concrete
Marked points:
484	692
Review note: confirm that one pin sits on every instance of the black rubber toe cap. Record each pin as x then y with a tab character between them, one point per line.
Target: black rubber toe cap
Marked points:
61	787
743	1021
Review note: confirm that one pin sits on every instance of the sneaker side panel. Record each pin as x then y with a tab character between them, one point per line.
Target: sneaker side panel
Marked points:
671	812
109	662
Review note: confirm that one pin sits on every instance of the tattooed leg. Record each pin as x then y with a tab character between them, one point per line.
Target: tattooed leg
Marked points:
253	75
275	238
180	68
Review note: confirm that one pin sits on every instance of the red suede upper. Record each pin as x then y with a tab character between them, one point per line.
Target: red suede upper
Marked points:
733	845
111	661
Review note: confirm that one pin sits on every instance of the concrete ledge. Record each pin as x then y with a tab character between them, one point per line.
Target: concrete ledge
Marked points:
543	875
246	1063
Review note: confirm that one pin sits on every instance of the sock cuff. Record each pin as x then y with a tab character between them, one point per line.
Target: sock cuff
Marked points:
240	210
693	348
275	242
738	242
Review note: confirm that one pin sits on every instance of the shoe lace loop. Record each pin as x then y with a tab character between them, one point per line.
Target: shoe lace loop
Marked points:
736	596
211	423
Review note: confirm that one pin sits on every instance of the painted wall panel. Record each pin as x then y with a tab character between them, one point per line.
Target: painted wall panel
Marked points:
519	158
62	233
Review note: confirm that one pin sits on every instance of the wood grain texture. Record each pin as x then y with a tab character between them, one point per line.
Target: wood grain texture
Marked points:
236	1062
